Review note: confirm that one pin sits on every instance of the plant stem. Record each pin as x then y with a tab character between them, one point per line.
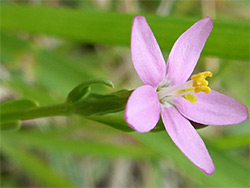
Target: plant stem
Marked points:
37	112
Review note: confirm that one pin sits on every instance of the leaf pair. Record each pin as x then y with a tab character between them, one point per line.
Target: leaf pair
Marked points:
12	107
79	101
83	89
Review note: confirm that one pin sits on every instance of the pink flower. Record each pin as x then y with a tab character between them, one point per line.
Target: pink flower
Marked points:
168	93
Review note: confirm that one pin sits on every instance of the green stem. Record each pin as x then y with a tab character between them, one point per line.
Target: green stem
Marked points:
38	112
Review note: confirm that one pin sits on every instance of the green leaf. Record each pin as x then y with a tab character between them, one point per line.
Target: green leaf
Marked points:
10	126
34	167
115	120
17	105
97	104
83	89
228	39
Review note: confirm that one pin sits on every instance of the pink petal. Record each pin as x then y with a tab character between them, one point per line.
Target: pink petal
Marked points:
146	54
186	51
143	109
213	109
187	139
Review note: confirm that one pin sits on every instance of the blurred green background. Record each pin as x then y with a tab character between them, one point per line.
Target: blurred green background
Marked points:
48	47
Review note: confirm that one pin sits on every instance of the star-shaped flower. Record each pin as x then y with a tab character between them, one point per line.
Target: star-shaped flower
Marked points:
168	93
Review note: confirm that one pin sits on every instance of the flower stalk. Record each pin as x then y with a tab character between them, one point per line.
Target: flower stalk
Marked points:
37	112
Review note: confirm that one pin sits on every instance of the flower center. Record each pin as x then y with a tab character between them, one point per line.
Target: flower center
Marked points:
198	83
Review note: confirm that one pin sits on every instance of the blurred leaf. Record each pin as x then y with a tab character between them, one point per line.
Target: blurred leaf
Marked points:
237	81
33	166
84	88
30	90
11	47
58	143
50	69
8	181
17	105
10	126
67	164
228	39
229	172
231	142
60	74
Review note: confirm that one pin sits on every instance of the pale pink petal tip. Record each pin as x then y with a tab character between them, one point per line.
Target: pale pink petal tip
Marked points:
210	171
143	109
213	109
186	51
187	139
209	18
210	21
146	54
138	16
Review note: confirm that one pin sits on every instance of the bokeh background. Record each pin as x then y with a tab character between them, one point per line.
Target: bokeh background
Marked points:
48	47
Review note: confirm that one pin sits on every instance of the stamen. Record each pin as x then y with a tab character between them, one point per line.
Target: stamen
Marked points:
173	90
191	98
200	83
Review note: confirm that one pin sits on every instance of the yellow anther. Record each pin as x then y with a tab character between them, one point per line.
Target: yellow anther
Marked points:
200	83
191	98
204	89
202	75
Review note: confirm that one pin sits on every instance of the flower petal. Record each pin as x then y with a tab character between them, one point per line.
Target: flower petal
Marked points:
146	54
143	109
187	139
213	109
186	51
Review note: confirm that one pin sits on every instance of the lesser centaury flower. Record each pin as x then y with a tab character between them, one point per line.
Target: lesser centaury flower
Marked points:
168	93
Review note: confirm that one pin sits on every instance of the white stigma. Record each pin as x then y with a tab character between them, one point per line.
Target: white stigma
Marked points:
168	93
